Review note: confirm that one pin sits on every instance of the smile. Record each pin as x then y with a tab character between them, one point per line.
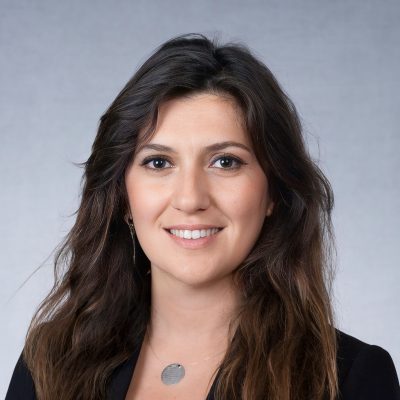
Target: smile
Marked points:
195	239
195	234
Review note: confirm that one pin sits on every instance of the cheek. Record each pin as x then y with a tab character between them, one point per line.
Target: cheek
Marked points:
247	201
144	200
141	201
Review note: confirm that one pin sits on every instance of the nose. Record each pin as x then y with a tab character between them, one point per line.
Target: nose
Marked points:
191	190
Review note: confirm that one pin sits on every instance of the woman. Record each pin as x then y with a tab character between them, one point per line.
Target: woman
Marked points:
199	265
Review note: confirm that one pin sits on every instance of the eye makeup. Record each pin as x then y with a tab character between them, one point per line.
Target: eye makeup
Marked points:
236	160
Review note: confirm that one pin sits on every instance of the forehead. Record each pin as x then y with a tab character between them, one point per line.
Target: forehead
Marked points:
199	120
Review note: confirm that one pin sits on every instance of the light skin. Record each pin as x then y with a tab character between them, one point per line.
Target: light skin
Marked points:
193	296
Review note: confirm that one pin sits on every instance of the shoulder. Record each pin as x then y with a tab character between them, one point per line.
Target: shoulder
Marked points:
365	371
21	386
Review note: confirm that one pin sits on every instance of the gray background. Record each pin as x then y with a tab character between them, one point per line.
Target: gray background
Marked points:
62	63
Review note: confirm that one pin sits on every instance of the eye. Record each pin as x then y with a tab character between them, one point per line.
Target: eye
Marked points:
227	161
149	160
159	161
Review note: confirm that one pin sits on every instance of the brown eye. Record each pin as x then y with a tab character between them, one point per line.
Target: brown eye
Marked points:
158	162
228	160
228	163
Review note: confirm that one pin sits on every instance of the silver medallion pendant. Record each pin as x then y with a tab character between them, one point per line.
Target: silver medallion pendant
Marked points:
172	374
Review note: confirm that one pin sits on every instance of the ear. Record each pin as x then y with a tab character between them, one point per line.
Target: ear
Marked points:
270	208
127	216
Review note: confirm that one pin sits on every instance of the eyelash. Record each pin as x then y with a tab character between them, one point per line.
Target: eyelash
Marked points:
225	156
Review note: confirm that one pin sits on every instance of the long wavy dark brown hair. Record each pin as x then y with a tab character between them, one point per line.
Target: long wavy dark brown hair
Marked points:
284	346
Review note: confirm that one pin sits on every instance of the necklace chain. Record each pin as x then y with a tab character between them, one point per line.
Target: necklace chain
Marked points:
187	364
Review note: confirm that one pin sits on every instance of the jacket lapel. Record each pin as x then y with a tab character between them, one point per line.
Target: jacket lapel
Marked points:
121	378
122	375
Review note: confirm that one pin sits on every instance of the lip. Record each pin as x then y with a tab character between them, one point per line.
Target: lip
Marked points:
192	227
194	243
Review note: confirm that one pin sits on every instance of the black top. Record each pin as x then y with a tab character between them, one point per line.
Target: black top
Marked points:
366	372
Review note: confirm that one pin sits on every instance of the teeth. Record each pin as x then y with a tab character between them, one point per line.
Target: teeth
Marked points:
193	234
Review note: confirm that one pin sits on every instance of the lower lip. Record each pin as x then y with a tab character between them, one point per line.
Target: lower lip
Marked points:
194	243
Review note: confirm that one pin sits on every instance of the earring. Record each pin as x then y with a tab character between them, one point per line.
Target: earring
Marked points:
132	229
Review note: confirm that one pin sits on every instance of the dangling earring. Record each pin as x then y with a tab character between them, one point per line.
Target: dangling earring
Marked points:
132	229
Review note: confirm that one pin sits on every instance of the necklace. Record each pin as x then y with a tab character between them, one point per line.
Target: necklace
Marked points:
173	373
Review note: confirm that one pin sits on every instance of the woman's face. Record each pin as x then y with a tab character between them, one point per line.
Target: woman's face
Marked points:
191	184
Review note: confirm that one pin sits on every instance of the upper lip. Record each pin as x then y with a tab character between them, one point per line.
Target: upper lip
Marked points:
192	227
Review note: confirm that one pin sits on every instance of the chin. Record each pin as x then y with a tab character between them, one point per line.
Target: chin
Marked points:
201	280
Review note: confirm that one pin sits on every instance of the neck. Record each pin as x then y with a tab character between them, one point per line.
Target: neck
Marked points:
188	317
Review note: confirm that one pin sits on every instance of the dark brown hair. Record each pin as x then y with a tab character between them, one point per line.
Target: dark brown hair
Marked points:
284	346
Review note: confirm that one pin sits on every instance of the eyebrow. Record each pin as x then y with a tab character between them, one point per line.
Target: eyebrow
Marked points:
212	147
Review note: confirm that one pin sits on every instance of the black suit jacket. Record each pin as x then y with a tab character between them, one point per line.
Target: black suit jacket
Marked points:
365	372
